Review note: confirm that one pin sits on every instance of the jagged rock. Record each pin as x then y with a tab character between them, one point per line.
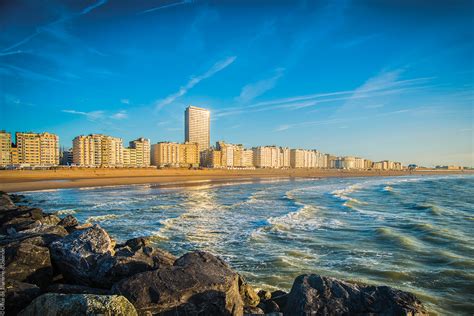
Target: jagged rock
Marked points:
17	198
280	297
75	289
69	222
317	295
77	255
132	258
18	295
269	306
249	297
29	263
250	310
19	217
5	202
42	235
198	282
53	304
264	295
50	219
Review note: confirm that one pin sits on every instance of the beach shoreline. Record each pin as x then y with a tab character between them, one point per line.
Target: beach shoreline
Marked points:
32	180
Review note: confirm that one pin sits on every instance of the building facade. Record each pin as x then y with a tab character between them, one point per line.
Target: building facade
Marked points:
5	148
37	149
197	127
140	150
97	150
169	154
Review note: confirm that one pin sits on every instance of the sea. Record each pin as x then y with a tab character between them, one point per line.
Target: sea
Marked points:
414	233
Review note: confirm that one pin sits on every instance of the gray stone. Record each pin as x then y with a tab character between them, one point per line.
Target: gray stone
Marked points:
197	283
77	255
53	304
18	295
75	289
317	295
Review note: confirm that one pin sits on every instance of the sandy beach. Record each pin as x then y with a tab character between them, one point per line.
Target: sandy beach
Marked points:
30	180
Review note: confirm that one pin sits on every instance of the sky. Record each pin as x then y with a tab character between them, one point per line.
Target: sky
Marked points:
376	79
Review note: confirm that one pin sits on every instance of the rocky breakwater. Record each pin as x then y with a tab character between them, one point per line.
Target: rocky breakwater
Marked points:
56	266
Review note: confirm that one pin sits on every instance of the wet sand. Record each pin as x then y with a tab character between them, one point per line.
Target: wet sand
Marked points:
30	180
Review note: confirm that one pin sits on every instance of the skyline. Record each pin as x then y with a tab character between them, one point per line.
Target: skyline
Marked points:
385	82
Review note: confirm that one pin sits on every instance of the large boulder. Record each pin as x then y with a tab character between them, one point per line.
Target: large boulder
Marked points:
134	257
53	304
317	295
5	202
77	255
69	222
19	218
248	294
197	283
75	289
42	235
29	263
18	295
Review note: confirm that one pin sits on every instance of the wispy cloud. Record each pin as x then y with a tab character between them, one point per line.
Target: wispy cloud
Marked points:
220	65
125	101
253	90
382	85
41	29
92	116
121	115
165	6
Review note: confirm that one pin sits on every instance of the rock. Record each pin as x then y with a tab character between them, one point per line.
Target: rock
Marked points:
69	222
5	202
77	255
18	295
50	219
197	283
42	235
249	297
75	289
19	215
130	260
17	198
264	295
53	304
29	263
269	306
250	310
280	297
317	295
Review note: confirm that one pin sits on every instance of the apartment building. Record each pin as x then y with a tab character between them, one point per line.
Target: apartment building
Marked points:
37	149
97	150
5	148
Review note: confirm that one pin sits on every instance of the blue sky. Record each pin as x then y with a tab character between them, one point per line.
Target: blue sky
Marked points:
377	79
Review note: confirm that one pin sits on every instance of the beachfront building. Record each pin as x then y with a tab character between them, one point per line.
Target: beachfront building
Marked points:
5	148
387	165
247	158
330	161
303	158
368	164
268	156
197	127
37	149
169	154
97	150
66	157
140	149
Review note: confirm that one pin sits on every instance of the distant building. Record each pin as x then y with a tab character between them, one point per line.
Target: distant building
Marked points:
5	148
169	154
268	156
197	127
37	149
66	157
97	150
139	151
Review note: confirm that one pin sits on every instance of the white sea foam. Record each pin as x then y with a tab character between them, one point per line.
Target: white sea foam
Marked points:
101	218
65	212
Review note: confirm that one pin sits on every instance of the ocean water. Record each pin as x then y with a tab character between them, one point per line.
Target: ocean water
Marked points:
415	233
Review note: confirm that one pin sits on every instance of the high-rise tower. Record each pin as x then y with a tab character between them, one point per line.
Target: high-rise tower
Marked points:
197	127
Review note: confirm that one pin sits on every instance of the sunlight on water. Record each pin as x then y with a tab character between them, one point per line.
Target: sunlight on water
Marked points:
413	233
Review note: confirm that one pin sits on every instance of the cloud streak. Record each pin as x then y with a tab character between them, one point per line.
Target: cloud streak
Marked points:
253	90
165	6
220	65
42	29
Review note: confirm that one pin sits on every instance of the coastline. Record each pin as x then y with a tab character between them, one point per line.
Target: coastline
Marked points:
32	180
